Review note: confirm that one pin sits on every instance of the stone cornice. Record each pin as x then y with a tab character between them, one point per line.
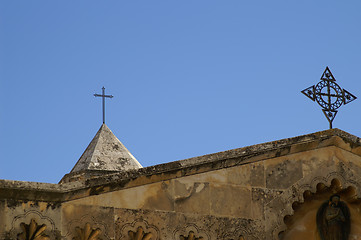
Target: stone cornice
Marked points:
92	183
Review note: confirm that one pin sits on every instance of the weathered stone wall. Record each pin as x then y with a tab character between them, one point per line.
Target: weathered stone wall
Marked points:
256	195
17	212
253	195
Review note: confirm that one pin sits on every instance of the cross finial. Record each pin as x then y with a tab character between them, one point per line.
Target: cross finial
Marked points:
103	96
329	95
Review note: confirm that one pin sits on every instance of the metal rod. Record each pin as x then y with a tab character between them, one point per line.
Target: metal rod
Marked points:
103	104
103	100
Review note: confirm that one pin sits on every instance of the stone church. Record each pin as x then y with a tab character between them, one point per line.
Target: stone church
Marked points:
273	190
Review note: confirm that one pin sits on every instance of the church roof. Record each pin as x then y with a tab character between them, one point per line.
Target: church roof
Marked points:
106	153
75	181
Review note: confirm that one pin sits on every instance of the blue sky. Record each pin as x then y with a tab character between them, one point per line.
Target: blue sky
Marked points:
188	77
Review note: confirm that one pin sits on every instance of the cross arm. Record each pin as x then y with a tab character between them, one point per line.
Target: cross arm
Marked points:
99	95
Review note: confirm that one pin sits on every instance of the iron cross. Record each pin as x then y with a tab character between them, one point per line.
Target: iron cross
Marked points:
329	95
103	96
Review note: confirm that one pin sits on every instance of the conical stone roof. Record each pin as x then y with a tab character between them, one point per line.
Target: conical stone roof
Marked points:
106	152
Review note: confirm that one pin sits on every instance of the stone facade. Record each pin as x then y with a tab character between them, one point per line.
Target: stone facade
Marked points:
265	191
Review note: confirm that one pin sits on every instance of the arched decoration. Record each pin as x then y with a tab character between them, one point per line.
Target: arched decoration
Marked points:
339	177
302	224
190	236
139	234
241	237
33	225
32	231
190	231
87	232
139	229
87	227
241	233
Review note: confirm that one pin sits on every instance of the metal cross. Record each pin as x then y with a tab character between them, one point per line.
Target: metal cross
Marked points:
103	96
329	95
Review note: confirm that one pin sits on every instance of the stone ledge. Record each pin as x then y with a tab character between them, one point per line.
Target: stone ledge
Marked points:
113	181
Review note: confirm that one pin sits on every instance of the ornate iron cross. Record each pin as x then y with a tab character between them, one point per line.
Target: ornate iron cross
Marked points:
103	96
329	95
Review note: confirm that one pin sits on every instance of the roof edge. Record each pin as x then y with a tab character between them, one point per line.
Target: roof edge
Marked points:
208	162
234	157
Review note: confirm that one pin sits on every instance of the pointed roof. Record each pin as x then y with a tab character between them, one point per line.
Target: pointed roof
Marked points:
106	152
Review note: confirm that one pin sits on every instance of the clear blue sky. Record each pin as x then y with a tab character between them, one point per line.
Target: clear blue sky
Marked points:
188	77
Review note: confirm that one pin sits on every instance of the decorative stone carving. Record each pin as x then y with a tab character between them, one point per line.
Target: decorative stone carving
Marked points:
281	206
140	234
190	236
190	232
333	219
32	225
239	238
87	228
239	234
139	230
87	233
32	231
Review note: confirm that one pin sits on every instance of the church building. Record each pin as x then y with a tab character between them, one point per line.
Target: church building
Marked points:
305	187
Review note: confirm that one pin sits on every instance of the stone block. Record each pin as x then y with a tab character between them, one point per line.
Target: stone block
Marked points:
316	159
230	200
281	173
239	175
257	175
217	176
191	197
151	196
2	219
260	198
